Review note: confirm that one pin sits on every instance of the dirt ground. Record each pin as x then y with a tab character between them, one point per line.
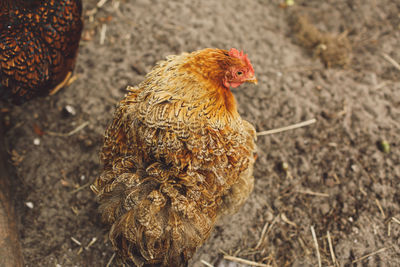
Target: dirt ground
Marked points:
338	181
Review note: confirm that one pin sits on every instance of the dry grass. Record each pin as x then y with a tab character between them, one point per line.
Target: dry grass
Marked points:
333	50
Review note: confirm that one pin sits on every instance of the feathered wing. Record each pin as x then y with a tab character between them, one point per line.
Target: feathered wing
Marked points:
142	188
38	46
174	161
167	177
243	186
22	68
62	36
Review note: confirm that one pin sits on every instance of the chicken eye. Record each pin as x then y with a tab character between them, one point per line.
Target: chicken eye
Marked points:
239	73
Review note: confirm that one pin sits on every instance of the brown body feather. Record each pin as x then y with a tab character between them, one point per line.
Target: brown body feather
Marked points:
176	157
38	46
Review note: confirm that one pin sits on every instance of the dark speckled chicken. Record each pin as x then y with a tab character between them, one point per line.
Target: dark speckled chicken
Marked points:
39	41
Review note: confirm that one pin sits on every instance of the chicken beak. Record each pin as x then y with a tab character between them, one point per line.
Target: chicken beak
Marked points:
252	79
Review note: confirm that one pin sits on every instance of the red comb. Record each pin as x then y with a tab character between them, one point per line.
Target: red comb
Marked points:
240	55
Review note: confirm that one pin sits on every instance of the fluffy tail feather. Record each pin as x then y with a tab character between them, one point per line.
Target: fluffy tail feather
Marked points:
153	221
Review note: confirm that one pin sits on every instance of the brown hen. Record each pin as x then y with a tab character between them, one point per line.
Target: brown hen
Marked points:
176	157
39	40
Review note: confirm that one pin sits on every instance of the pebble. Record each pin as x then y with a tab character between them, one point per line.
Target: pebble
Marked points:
36	141
68	110
29	204
284	166
354	168
324	208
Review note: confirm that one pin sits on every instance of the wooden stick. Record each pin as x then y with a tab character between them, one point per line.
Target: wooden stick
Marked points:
307	192
370	254
207	263
240	260
80	188
110	261
380	207
391	60
264	230
316	246
273	223
76	241
396	220
286	220
77	129
101	3
287	128
103	34
331	249
94	239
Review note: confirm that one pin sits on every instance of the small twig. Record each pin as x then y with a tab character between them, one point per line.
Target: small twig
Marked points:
75	210
307	192
272	224
103	34
286	220
287	128
380	86
223	252
207	263
331	249
316	245
94	239
261	240
370	254
396	220
77	129
337	180
72	79
80	188
363	191
234	254
391	60
380	208
110	261
303	245
101	3
240	260
76	241
116	4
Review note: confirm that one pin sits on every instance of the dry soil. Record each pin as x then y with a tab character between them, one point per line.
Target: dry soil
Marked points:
338	181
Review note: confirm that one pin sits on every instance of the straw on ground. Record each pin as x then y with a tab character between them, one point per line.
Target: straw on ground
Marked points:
316	245
287	128
370	254
244	261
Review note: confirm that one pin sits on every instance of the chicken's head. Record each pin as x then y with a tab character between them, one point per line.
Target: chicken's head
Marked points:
239	70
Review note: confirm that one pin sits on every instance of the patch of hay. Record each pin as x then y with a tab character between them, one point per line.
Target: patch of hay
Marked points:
333	50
